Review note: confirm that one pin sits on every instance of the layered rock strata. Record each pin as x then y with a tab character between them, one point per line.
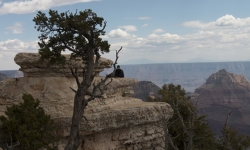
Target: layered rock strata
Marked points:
32	66
116	121
224	92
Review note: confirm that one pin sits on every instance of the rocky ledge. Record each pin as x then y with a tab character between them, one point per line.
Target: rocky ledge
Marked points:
116	121
32	66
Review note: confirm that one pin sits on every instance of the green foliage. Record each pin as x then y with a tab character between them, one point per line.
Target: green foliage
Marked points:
28	124
76	32
203	138
231	140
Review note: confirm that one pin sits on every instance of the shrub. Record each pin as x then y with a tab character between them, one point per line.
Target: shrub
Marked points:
27	124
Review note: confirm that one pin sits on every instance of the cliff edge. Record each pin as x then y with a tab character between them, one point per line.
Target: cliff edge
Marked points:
116	121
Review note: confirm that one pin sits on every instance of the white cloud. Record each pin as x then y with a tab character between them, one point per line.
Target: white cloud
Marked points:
17	28
9	49
16	45
29	6
119	33
224	21
145	25
158	31
195	24
144	18
129	28
225	38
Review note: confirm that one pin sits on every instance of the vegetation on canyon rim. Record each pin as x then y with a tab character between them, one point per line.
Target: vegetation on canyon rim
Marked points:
187	130
28	127
80	33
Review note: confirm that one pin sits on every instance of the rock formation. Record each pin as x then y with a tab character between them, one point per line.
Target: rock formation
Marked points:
222	93
145	89
116	121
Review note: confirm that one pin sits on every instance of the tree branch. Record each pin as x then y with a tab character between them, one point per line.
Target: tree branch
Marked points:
117	52
75	76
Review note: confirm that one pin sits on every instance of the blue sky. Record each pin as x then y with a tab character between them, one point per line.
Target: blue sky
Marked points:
159	30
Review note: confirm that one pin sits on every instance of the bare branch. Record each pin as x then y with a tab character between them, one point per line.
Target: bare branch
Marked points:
75	76
117	52
73	89
228	115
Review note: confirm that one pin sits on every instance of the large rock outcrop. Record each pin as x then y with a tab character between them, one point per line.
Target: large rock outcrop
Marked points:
222	93
116	121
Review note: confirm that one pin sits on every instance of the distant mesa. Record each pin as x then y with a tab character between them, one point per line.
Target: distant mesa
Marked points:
222	93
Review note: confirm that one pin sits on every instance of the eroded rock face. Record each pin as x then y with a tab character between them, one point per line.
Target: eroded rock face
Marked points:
32	66
116	121
222	93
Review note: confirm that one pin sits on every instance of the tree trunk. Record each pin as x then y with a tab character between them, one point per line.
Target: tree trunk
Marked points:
80	104
73	142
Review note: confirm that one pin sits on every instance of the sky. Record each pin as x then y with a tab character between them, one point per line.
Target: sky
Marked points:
156	31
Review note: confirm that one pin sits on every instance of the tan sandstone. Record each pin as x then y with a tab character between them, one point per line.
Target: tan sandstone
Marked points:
116	121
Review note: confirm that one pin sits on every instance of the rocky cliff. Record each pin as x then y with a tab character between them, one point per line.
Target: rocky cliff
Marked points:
116	121
222	93
145	89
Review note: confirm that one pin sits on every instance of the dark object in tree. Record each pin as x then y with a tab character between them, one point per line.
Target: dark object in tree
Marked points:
119	72
28	127
80	34
185	130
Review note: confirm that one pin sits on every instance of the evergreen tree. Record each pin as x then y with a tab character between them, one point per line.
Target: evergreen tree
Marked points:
79	33
186	130
28	127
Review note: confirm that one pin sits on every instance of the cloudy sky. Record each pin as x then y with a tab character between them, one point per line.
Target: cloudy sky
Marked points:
155	30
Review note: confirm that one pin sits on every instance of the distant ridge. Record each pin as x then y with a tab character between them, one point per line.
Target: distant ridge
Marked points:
189	75
138	61
12	73
2	76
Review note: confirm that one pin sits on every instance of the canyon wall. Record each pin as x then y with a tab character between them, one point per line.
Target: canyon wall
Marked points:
221	93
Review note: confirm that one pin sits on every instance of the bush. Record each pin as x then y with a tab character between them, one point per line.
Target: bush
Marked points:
27	124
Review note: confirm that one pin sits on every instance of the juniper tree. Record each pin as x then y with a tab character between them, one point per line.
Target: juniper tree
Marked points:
78	33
